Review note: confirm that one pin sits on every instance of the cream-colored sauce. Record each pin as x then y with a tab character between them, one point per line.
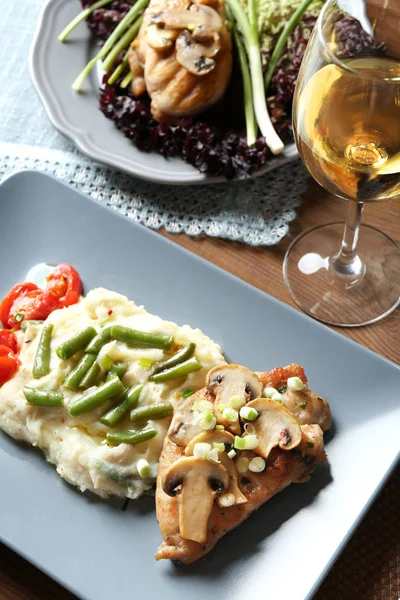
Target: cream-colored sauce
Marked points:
77	446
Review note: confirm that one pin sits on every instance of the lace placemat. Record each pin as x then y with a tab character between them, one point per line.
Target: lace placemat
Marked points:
255	212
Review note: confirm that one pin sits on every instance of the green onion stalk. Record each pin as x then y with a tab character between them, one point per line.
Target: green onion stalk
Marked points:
281	43
249	30
125	29
251	123
81	17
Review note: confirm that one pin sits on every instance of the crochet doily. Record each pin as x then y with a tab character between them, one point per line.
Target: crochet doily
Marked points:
256	212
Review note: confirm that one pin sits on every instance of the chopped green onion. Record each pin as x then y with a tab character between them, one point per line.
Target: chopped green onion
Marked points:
222	407
201	449
242	464
232	453
277	397
257	465
188	393
230	415
81	17
213	455
310	444
268	392
106	362
303	405
207	425
208	416
145	362
249	442
203	405
143	468
19	317
226	500
219	446
295	384
220	427
237	402
248	413
282	389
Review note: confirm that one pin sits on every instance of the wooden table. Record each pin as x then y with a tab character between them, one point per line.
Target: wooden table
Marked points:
368	569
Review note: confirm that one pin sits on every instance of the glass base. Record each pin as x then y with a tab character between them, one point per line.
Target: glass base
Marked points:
335	298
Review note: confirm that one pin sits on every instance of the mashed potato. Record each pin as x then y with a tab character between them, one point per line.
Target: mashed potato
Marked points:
77	446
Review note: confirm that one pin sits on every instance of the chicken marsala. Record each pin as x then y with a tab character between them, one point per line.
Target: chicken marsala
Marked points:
230	448
182	57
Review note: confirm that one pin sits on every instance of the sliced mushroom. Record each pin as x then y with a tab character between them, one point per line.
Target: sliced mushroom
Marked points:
193	56
232	380
274	426
184	427
196	482
308	407
160	39
184	19
220	437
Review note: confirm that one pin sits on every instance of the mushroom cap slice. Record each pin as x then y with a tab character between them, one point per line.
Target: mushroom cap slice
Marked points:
183	427
188	19
220	437
194	56
226	381
209	437
274	426
196	481
160	39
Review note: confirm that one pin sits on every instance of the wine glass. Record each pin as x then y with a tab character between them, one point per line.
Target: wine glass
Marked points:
346	119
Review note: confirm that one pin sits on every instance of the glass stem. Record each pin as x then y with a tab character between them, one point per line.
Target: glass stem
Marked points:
346	262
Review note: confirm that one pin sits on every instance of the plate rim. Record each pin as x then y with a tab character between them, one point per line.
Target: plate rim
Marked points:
345	539
84	140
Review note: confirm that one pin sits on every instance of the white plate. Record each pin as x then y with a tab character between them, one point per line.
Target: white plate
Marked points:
54	66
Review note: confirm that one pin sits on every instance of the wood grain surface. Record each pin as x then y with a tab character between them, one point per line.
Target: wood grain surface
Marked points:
376	574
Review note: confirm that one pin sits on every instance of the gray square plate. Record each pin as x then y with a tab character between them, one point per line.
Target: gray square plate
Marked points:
54	66
286	548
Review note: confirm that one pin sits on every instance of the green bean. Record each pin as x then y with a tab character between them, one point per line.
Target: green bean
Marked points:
179	371
119	368
130	400
73	380
41	364
99	341
43	396
110	389
153	411
25	324
174	360
76	343
91	376
106	363
143	339
130	437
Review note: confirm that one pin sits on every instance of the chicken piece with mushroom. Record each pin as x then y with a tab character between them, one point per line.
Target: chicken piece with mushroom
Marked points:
199	481
184	52
307	406
228	381
289	452
226	438
274	426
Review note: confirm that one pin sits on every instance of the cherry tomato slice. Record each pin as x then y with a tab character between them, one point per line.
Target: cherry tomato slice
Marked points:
66	284
7	338
17	291
9	363
37	304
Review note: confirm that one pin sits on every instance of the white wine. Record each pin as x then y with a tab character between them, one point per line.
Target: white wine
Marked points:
347	127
